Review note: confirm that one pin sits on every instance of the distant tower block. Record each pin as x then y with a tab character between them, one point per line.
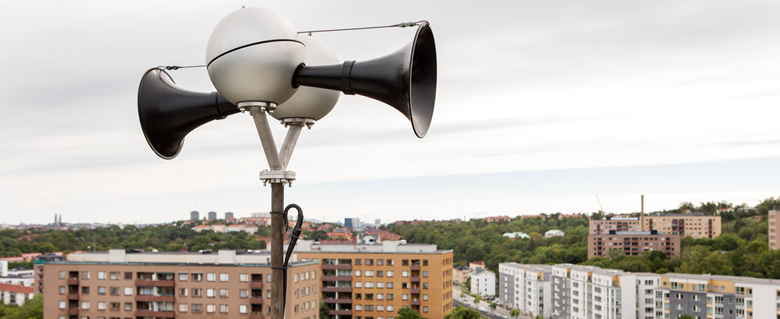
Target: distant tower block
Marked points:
212	215
194	215
228	215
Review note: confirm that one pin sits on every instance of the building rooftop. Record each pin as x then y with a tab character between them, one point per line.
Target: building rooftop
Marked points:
16	289
533	267
386	247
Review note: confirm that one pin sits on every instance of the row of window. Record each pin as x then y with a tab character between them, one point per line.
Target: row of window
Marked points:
183	276
184	292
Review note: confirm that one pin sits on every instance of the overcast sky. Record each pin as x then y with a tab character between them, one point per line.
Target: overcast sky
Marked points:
541	106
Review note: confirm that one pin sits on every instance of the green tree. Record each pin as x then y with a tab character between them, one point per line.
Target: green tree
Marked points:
493	305
463	313
476	300
514	313
324	310
539	317
686	316
408	313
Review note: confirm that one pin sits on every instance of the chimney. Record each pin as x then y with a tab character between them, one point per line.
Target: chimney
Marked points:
642	215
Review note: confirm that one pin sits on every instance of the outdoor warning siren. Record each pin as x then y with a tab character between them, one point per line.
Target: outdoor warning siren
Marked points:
405	79
251	56
309	102
168	113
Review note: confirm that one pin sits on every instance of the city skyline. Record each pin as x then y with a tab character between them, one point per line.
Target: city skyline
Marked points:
540	107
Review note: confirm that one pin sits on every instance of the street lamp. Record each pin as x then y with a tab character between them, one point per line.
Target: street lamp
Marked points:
260	64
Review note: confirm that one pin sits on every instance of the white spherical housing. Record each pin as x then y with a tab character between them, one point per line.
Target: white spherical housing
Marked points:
251	56
310	102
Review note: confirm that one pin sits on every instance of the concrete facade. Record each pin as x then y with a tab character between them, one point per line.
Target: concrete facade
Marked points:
527	288
696	225
633	243
483	283
774	236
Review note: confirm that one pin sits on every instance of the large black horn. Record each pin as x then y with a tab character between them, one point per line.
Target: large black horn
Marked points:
405	79
168	113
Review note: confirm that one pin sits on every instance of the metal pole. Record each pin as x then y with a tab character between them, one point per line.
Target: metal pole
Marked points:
277	251
266	138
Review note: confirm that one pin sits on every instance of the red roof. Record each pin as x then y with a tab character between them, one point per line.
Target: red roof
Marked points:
478	262
16	288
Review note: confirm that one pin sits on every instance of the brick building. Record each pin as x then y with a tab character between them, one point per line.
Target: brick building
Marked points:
633	243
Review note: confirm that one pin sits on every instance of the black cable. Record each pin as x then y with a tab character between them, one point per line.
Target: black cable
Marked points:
398	25
291	246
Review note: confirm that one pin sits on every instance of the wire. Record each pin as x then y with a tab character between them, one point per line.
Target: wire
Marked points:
176	67
399	25
291	246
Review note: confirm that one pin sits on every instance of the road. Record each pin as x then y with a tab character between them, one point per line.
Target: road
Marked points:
468	301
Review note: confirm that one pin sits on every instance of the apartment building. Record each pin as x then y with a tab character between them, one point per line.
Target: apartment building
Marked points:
460	274
527	288
633	243
774	237
374	281
483	282
581	292
15	294
120	284
696	225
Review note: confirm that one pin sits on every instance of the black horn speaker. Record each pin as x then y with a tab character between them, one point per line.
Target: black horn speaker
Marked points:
168	113
405	79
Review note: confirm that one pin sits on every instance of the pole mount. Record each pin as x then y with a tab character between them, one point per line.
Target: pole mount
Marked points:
273	176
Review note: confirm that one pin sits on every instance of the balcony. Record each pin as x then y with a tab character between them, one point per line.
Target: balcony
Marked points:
415	267
331	266
414	302
256	301
164	314
333	300
144	282
144	298
255	316
415	290
336	289
163	283
72	281
163	298
144	313
73	296
341	312
256	284
336	278
73	311
414	279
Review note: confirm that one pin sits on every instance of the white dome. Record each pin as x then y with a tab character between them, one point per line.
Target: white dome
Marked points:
310	102
251	56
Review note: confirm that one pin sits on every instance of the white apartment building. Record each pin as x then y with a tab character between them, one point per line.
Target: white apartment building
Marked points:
483	282
526	288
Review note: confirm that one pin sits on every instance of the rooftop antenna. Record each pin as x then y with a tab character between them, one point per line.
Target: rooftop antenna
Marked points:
601	209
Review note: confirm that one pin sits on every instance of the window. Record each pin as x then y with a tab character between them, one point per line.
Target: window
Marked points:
390	285
62	303
85	275
425	297
223	308
223	277
85	305
389	273
405	297
358	284
183	276
390	262
101	305
369	284
369	262
183	292
101	290
210	293
244	293
357	262
197	277
211	277
404	262
389	309
62	290
211	308
62	276
425	262
380	262
223	293
242	309
369	307
425	285
425	308
379	296
128	275
114	291
128	291
128	306
404	273
84	290
380	273
357	273
197	308
369	273
389	296
182	307
101	275
243	277
425	274
114	275
197	292
404	285
113	306
380	284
